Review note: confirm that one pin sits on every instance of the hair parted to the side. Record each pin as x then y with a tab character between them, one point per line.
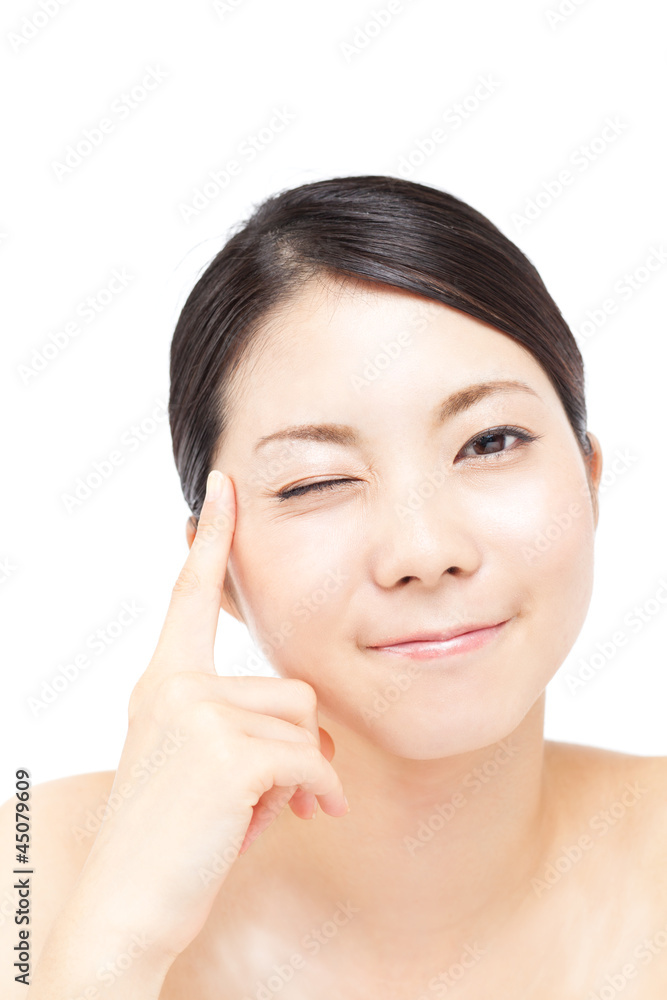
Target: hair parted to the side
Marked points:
381	229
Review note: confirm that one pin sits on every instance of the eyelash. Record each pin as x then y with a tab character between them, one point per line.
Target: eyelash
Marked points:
325	484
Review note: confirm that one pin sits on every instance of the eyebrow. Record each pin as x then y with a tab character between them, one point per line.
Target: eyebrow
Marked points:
454	404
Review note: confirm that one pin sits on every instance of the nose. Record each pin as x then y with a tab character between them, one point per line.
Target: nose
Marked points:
430	535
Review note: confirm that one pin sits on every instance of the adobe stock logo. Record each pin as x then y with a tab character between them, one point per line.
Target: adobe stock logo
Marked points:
98	640
452	118
365	33
105	466
634	621
96	135
253	145
581	158
558	15
600	825
32	24
88	309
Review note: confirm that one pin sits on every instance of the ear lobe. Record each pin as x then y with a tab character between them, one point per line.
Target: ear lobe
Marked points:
190	530
594	469
228	604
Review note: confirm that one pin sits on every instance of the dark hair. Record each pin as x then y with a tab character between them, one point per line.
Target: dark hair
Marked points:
381	229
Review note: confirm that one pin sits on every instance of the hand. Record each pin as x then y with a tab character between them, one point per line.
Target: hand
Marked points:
226	753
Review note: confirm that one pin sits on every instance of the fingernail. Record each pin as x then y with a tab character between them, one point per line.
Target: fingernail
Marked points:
348	806
312	815
214	484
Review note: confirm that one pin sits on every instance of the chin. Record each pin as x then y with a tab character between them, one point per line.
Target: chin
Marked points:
429	730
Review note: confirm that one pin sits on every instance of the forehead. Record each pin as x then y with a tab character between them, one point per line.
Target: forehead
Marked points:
346	351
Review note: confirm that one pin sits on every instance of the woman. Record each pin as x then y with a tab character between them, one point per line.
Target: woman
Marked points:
405	525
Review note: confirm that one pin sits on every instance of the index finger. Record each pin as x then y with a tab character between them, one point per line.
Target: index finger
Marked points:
188	635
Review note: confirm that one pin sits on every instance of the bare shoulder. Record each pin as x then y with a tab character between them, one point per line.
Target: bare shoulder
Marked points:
597	767
64	816
610	790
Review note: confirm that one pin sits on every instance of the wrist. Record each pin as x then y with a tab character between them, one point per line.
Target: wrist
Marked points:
88	957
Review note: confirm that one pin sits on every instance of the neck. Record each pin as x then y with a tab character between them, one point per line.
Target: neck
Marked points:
429	847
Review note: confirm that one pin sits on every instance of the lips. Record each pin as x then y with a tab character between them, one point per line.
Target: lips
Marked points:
440	646
435	635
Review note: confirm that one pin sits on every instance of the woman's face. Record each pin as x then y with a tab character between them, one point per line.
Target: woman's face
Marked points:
439	519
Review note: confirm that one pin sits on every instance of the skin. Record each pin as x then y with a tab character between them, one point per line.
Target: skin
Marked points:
467	552
459	805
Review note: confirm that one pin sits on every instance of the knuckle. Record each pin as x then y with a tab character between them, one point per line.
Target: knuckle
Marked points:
306	693
188	583
310	756
302	778
137	698
305	766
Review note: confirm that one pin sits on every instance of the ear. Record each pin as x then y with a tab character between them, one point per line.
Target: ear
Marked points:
594	471
228	602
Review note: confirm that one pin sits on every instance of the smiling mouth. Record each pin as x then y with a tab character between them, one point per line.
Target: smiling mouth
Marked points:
429	649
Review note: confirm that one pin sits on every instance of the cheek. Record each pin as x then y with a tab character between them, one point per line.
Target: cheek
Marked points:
548	534
292	579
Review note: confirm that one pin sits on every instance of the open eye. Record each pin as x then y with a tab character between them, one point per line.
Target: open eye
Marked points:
492	441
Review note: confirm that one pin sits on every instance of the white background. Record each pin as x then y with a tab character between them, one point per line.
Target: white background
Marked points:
356	111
